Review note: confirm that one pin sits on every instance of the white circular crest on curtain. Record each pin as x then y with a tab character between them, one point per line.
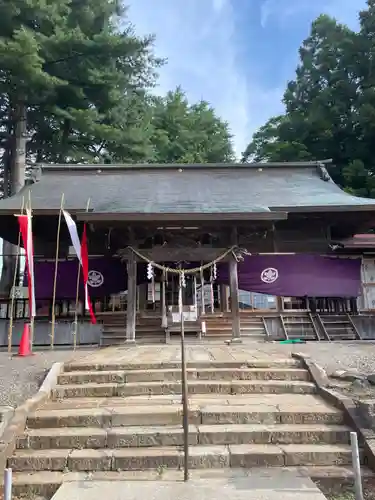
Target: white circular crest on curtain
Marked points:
269	275
95	278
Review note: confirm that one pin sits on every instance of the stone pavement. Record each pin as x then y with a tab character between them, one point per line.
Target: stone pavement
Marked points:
143	354
260	485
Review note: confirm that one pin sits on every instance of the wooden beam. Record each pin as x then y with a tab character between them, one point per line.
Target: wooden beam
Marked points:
170	254
132	299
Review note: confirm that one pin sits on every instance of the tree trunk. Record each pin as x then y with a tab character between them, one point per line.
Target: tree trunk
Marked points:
64	141
15	177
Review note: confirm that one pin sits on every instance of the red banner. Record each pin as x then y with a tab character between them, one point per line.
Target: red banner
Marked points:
25	224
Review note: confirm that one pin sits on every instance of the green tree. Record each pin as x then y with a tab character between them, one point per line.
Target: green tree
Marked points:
328	107
185	133
105	72
66	70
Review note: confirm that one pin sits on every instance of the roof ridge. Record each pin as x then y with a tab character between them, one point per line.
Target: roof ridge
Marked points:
171	166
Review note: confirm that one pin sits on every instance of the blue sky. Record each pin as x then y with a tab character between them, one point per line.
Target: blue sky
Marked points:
236	54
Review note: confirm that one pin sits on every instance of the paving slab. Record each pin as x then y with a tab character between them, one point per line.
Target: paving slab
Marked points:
268	486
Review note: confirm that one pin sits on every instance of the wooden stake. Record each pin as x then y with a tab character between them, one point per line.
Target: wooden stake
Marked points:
77	295
185	403
10	332
55	277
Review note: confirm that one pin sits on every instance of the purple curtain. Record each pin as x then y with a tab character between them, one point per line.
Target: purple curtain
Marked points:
297	275
106	276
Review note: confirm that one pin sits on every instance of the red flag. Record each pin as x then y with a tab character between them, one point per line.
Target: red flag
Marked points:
85	271
82	254
25	224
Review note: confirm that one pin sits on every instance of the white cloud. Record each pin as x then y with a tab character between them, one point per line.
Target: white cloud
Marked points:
197	38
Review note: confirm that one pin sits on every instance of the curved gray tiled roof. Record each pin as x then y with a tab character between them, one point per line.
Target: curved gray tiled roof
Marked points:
196	189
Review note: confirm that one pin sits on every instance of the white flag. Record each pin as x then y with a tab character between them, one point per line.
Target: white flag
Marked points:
73	234
72	227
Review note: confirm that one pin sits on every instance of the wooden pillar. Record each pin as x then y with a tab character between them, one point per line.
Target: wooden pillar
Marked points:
233	281
132	298
163	300
203	306
224	303
233	278
142	296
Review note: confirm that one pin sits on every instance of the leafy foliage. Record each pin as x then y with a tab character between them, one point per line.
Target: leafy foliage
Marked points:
329	106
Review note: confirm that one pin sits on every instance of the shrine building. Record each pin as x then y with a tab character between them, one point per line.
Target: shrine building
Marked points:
272	247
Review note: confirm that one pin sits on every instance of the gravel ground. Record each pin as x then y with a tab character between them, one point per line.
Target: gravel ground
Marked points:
359	357
20	378
340	356
368	495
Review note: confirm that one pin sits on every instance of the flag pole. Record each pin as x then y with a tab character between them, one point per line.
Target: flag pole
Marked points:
55	277
77	295
10	332
32	298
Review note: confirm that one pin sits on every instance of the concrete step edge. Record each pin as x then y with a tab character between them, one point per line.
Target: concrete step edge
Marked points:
200	373
172	415
260	363
172	457
167	435
194	382
174	387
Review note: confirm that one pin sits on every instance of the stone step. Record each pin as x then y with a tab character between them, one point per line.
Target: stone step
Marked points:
200	457
195	387
45	484
255	363
110	340
172	435
159	412
119	376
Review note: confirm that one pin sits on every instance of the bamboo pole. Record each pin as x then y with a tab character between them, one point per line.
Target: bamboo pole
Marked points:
77	295
10	331
32	319
55	277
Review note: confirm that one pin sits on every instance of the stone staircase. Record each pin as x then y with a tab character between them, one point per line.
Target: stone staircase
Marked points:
148	329
111	420
219	325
